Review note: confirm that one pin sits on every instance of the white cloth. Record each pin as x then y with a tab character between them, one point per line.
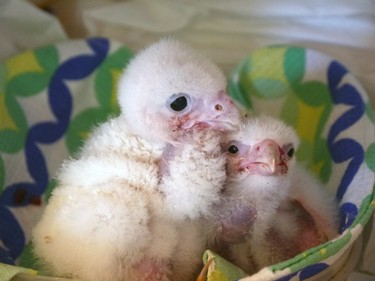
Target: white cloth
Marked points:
24	27
227	31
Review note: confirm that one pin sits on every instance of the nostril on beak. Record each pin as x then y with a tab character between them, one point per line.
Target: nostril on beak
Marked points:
218	107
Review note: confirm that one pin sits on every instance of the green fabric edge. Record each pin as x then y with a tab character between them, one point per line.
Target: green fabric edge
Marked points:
7	272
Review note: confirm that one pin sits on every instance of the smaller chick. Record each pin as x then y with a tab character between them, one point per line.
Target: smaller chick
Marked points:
271	209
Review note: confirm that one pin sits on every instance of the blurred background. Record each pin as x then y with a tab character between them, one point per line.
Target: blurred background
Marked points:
227	31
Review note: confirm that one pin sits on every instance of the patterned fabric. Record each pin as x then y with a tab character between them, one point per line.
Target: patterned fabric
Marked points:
333	117
52	96
7	272
49	100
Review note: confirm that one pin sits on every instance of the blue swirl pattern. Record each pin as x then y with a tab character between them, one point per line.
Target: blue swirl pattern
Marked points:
348	212
345	149
306	273
60	100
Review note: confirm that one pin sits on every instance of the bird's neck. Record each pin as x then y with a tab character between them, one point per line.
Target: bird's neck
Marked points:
261	192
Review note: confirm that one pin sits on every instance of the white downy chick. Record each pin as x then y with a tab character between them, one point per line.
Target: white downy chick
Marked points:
129	206
272	209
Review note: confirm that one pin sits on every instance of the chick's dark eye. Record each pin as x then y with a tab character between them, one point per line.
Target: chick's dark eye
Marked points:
291	152
179	103
233	149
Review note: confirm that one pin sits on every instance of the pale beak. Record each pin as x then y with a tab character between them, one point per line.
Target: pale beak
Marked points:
219	114
263	159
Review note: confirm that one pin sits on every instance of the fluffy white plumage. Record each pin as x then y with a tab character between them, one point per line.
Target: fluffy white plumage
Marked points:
136	194
272	208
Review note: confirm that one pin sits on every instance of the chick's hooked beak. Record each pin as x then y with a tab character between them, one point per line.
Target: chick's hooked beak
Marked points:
265	158
219	113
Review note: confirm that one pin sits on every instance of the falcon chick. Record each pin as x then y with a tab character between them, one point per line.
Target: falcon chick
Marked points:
129	206
272	209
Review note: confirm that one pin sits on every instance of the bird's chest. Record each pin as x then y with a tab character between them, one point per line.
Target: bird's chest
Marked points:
237	218
141	173
245	213
241	210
